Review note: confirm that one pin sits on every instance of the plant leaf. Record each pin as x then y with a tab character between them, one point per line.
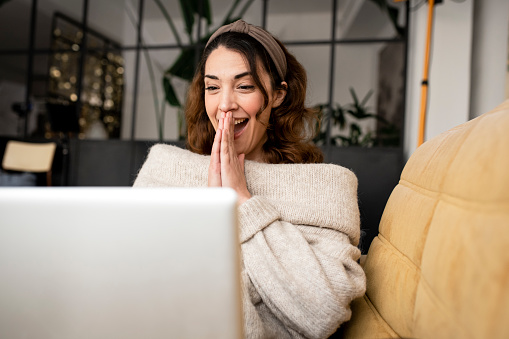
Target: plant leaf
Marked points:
206	13
355	133
170	95
169	21
354	96
319	138
338	115
190	8
367	140
345	141
392	13
188	15
366	97
183	67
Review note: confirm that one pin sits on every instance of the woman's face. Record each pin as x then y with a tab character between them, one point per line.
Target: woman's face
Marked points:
229	87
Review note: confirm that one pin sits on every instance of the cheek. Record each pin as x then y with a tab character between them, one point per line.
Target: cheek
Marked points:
211	111
253	105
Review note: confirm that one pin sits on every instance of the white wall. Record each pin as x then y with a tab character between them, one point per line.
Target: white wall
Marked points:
449	77
468	65
489	55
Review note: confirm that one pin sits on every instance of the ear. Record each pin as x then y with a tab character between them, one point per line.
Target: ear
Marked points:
279	95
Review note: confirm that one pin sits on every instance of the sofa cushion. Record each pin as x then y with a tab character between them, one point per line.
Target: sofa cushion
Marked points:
439	267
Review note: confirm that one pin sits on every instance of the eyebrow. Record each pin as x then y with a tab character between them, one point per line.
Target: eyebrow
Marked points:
238	76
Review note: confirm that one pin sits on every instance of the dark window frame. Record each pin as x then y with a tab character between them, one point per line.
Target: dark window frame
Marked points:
332	43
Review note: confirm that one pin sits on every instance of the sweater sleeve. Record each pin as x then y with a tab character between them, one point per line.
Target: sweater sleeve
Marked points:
303	277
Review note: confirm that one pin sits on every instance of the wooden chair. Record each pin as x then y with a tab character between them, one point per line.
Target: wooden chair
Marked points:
29	157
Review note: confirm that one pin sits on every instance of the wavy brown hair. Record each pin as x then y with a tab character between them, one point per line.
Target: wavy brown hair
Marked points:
291	124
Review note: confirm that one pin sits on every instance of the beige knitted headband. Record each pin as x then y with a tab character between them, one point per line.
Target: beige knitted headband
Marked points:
262	36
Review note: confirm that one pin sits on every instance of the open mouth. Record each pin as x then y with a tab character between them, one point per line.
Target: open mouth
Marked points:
240	126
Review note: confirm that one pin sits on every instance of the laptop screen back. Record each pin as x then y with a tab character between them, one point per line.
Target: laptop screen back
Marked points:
119	263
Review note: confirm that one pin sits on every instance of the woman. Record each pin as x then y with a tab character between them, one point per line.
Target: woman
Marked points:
248	129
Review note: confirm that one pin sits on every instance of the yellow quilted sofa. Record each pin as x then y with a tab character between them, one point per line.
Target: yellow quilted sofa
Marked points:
439	267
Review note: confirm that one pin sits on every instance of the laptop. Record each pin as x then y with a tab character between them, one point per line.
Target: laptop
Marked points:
119	262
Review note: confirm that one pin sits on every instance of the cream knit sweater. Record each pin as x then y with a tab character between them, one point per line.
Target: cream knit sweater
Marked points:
298	236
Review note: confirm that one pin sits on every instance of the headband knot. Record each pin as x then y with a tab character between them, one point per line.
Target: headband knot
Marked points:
240	26
262	36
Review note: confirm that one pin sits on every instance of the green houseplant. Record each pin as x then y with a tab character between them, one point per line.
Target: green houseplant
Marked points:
347	119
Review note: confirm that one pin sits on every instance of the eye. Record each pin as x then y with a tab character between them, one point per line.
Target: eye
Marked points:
246	87
211	88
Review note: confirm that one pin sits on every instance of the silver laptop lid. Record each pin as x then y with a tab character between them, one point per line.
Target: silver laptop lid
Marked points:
119	263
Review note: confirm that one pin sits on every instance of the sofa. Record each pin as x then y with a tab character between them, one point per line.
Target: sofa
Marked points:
439	267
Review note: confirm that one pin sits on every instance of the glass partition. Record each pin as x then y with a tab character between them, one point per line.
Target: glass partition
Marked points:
96	79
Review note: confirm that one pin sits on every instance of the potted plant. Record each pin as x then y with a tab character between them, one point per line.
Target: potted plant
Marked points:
347	118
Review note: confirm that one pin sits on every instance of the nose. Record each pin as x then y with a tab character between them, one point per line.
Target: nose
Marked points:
228	101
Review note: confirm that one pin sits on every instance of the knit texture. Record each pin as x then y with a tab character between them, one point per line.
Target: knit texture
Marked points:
298	236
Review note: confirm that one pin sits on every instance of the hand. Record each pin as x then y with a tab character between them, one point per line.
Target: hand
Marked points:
214	179
226	168
232	165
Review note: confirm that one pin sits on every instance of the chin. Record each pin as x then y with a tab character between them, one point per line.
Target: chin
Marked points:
239	150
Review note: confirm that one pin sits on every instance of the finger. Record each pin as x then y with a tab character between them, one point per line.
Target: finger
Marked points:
220	125
231	136
242	157
225	146
232	122
214	175
215	152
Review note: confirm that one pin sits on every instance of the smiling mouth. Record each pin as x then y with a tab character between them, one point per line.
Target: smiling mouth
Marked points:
240	126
